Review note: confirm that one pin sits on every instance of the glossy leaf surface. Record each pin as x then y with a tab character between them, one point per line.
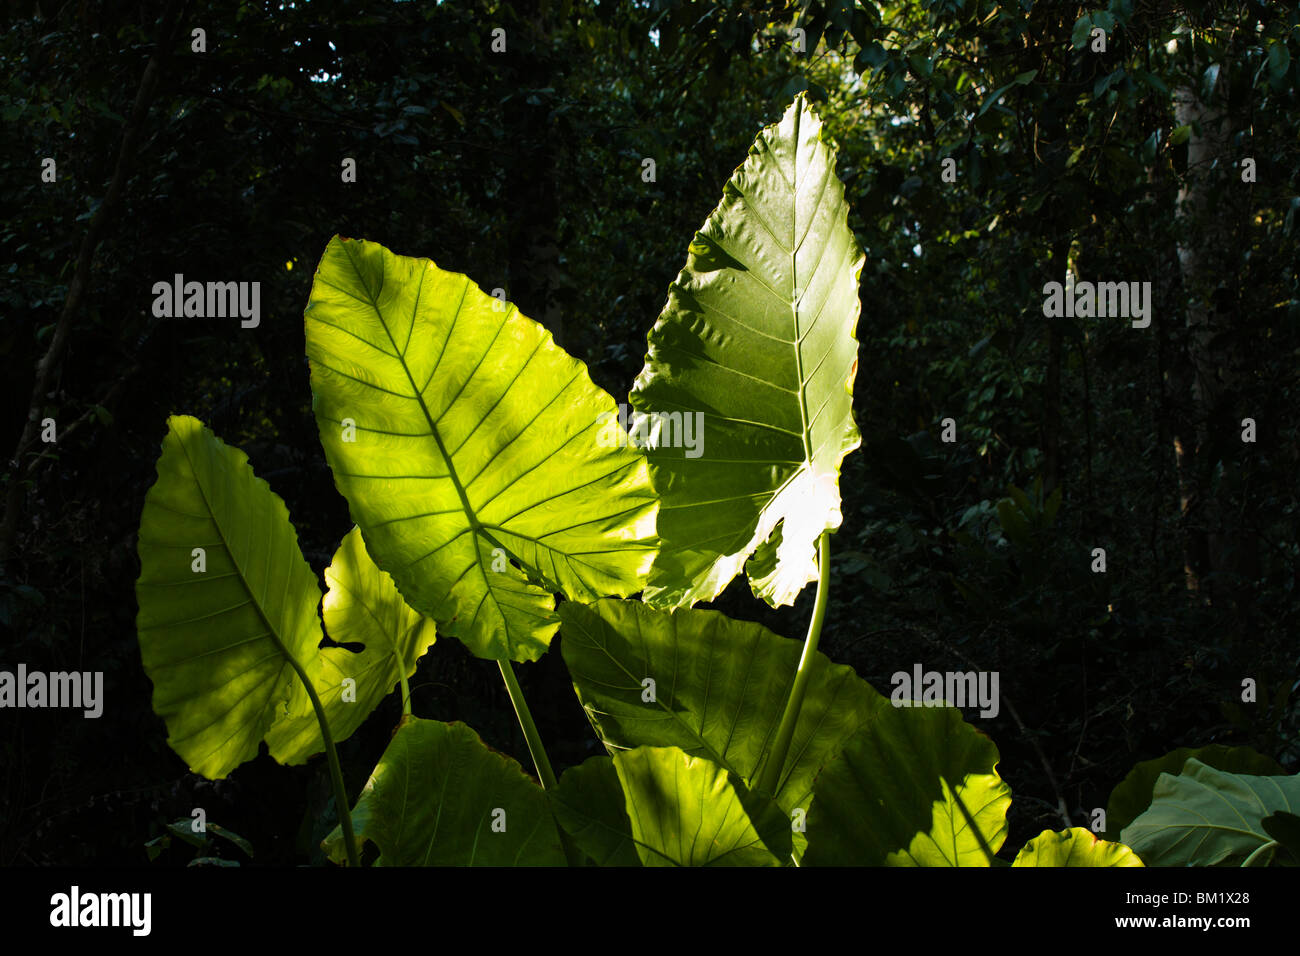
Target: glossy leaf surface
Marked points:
756	344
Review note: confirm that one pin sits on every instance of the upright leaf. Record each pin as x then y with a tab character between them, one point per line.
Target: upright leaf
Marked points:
659	806
440	797
757	338
468	447
362	606
226	600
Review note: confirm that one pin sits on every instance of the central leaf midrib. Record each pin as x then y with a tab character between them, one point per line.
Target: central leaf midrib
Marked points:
804	434
415	392
471	516
272	632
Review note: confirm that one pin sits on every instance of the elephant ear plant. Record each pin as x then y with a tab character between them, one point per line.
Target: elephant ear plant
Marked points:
487	475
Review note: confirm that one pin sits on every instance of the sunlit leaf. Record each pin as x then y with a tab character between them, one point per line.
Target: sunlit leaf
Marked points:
1074	847
756	344
217	642
469	447
659	806
362	606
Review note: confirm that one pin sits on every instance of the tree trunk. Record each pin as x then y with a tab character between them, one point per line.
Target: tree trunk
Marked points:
1211	207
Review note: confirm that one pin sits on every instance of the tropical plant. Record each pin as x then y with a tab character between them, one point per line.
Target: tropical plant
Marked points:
492	505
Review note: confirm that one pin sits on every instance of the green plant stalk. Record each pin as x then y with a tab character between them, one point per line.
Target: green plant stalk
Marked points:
336	772
771	774
1250	860
540	760
406	687
543	763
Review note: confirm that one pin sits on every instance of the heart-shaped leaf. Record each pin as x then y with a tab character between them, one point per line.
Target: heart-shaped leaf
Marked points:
1074	847
917	786
440	797
468	447
718	690
659	806
1133	794
756	345
362	606
227	600
1209	817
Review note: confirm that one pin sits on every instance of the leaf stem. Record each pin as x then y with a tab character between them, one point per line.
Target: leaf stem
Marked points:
543	764
540	760
406	688
336	772
771	775
1250	860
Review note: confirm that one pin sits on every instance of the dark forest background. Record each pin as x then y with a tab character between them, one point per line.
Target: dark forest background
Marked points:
523	169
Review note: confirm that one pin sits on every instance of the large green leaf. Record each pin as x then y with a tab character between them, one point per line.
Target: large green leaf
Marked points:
362	606
1132	795
440	797
468	446
757	337
1209	817
217	643
1074	847
917	786
720	687
659	806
